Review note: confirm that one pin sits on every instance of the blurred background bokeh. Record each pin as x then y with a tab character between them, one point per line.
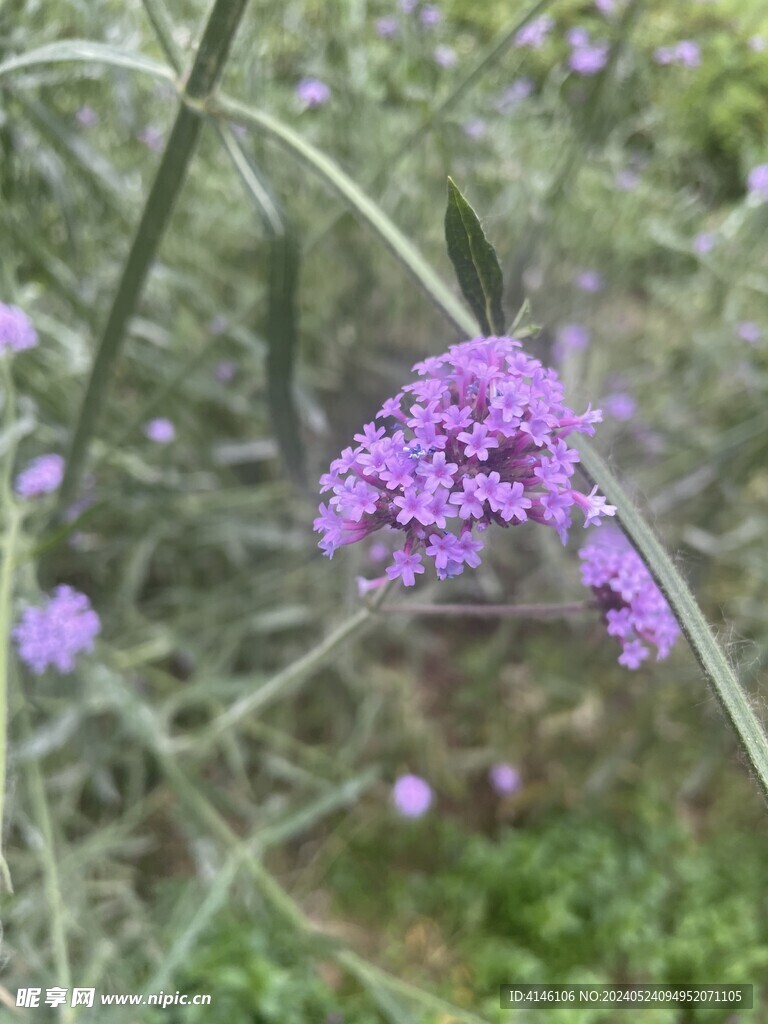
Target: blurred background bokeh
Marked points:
609	154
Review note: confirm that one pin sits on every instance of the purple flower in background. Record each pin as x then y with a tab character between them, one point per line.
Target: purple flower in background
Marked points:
311	92
152	137
16	330
572	338
161	431
535	32
633	608
750	332
408	6
504	778
430	15
627	180
757	182
621	406
225	371
412	796
704	242
589	59
43	475
478	439
590	281
445	56
86	117
56	632
688	53
387	27
515	93
605	6
577	36
476	128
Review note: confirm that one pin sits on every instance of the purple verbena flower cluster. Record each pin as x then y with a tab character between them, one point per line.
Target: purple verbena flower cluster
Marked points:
634	609
16	330
57	632
43	475
479	439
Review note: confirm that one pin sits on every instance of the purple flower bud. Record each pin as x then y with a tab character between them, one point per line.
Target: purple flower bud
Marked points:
311	92
41	476
16	330
160	430
412	796
504	778
56	632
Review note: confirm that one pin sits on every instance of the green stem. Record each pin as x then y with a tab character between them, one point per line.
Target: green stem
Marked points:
206	70
41	815
501	611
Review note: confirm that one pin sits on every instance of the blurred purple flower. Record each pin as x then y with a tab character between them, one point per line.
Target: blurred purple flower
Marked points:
412	796
535	32
757	182
589	281
445	56
312	93
686	53
408	6
160	430
664	55
633	608
750	332
43	475
430	15
225	371
16	330
757	43
588	60
577	36
504	778
621	405
605	6
387	27
152	137
627	180
86	117
704	242
56	632
379	552
573	337
515	93
476	128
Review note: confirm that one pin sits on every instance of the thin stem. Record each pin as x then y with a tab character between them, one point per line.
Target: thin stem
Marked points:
503	611
206	70
42	817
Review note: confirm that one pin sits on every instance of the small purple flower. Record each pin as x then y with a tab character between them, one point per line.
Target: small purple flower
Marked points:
504	778
152	136
704	242
225	371
312	93
534	34
160	430
573	338
41	476
476	128
445	56
430	15
589	59
633	608
757	182
86	117
412	796
56	632
16	330
590	281
387	27
620	405
688	53
514	94
407	566
750	332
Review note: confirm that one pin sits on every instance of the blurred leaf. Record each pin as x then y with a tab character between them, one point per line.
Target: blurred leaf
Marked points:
86	51
475	261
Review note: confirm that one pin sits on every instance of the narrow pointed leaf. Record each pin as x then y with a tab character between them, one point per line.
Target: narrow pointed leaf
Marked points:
475	262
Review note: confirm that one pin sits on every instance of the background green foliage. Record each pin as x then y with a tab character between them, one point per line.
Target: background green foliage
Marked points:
636	848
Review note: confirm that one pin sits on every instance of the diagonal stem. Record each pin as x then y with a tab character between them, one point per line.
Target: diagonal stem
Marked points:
169	179
490	611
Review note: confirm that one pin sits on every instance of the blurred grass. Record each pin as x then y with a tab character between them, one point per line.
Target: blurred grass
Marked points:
636	847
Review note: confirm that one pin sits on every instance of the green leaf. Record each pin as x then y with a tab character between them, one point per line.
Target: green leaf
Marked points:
475	261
